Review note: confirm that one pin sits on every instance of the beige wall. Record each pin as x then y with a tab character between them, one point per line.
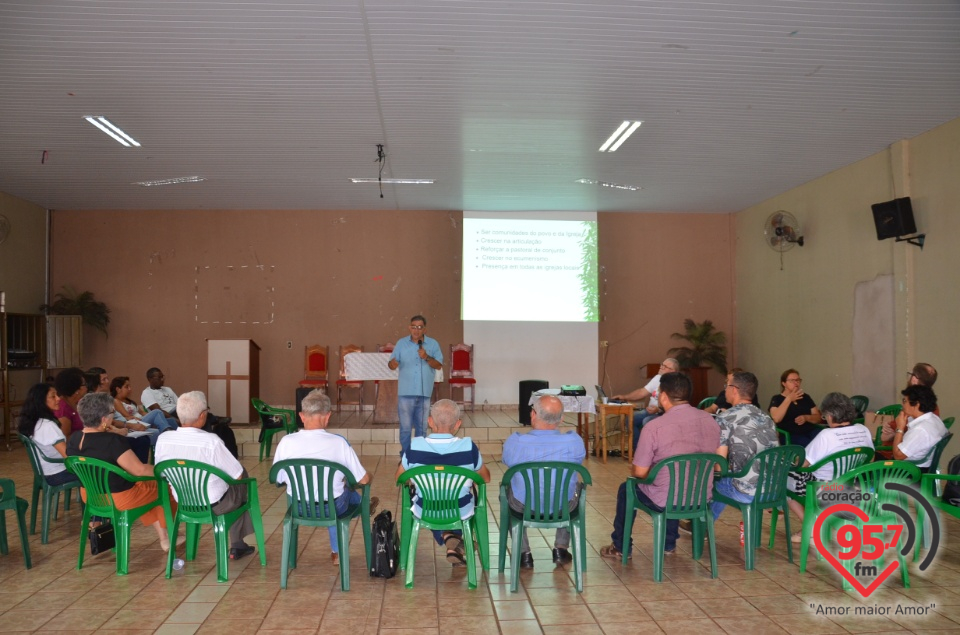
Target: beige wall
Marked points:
174	279
802	316
23	256
353	277
655	271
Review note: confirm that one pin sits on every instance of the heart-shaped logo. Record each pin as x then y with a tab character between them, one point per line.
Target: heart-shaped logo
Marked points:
832	559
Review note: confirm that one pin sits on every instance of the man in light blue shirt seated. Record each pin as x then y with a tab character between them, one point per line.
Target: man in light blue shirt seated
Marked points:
544	443
443	447
418	357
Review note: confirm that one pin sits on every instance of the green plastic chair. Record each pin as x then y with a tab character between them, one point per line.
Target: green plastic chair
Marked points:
305	508
893	410
94	476
189	479
546	485
774	465
51	493
841	462
934	468
266	411
706	402
10	500
439	487
871	478
930	487
948	422
861	403
688	497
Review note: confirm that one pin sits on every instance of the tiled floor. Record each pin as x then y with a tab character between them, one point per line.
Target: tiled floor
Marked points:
775	598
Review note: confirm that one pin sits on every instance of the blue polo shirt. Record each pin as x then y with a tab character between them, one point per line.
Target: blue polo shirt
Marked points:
444	449
541	445
416	376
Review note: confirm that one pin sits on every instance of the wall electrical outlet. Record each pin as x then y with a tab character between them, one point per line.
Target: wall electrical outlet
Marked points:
289	344
604	343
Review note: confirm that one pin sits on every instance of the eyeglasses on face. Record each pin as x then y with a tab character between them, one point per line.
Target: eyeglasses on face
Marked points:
416	327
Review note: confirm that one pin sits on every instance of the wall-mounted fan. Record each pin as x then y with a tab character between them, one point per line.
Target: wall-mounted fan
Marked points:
782	231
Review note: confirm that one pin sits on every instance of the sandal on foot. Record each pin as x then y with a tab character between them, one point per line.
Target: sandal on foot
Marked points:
454	545
611	551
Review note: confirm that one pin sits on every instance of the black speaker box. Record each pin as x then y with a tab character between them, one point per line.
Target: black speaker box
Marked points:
894	218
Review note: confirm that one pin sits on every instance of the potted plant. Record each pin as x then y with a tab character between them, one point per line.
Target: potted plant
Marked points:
92	311
707	348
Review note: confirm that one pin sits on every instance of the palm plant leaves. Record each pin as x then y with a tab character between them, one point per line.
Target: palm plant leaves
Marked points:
707	346
69	302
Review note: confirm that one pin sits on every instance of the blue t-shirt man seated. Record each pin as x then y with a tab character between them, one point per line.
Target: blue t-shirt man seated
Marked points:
544	443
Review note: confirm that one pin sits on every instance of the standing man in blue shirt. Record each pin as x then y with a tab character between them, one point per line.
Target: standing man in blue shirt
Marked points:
543	443
418	357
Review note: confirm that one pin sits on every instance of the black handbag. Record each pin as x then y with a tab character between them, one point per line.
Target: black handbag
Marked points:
102	539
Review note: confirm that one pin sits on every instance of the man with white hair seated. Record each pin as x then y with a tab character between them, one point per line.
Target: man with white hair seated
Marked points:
444	447
189	442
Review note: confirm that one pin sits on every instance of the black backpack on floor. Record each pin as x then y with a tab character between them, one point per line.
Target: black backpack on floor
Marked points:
386	543
951	489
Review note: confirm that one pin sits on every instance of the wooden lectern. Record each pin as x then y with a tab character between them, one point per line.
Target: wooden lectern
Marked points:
233	377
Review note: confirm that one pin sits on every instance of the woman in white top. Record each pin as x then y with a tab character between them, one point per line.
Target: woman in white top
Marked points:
126	409
838	411
38	422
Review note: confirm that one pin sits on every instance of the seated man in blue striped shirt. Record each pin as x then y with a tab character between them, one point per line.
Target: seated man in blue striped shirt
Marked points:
443	447
543	443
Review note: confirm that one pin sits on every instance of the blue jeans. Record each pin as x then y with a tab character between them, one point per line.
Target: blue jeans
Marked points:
345	500
640	419
725	487
160	421
673	526
413	413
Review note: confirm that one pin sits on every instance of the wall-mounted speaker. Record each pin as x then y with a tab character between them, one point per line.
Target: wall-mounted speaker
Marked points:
894	218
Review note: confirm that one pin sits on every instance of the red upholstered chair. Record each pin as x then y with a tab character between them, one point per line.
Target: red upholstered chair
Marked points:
381	348
343	382
315	366
461	372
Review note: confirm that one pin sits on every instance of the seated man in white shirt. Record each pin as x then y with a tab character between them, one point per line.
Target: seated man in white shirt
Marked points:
157	396
913	441
314	442
191	443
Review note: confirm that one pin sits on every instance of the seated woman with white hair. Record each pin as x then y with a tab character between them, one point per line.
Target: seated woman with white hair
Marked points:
95	441
838	411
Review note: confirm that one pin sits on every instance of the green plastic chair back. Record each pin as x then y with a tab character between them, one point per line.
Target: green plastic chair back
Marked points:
312	483
948	422
94	475
893	410
688	497
871	478
440	488
840	462
861	403
10	500
546	488
706	402
773	467
51	493
190	480
266	434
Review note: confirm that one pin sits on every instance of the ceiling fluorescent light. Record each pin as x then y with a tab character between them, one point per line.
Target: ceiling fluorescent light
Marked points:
616	186
174	181
118	135
616	139
395	181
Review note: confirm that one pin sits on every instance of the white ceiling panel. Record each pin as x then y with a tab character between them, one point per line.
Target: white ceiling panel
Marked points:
276	104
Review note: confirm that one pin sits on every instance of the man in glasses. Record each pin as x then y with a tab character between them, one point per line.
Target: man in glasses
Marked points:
418	357
641	416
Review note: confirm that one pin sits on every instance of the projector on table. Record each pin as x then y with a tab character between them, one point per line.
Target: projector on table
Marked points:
573	390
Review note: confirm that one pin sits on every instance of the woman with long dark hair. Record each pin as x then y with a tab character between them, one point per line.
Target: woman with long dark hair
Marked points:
38	421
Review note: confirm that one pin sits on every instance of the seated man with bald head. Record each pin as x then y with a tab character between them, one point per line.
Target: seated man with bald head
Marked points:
544	442
444	447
